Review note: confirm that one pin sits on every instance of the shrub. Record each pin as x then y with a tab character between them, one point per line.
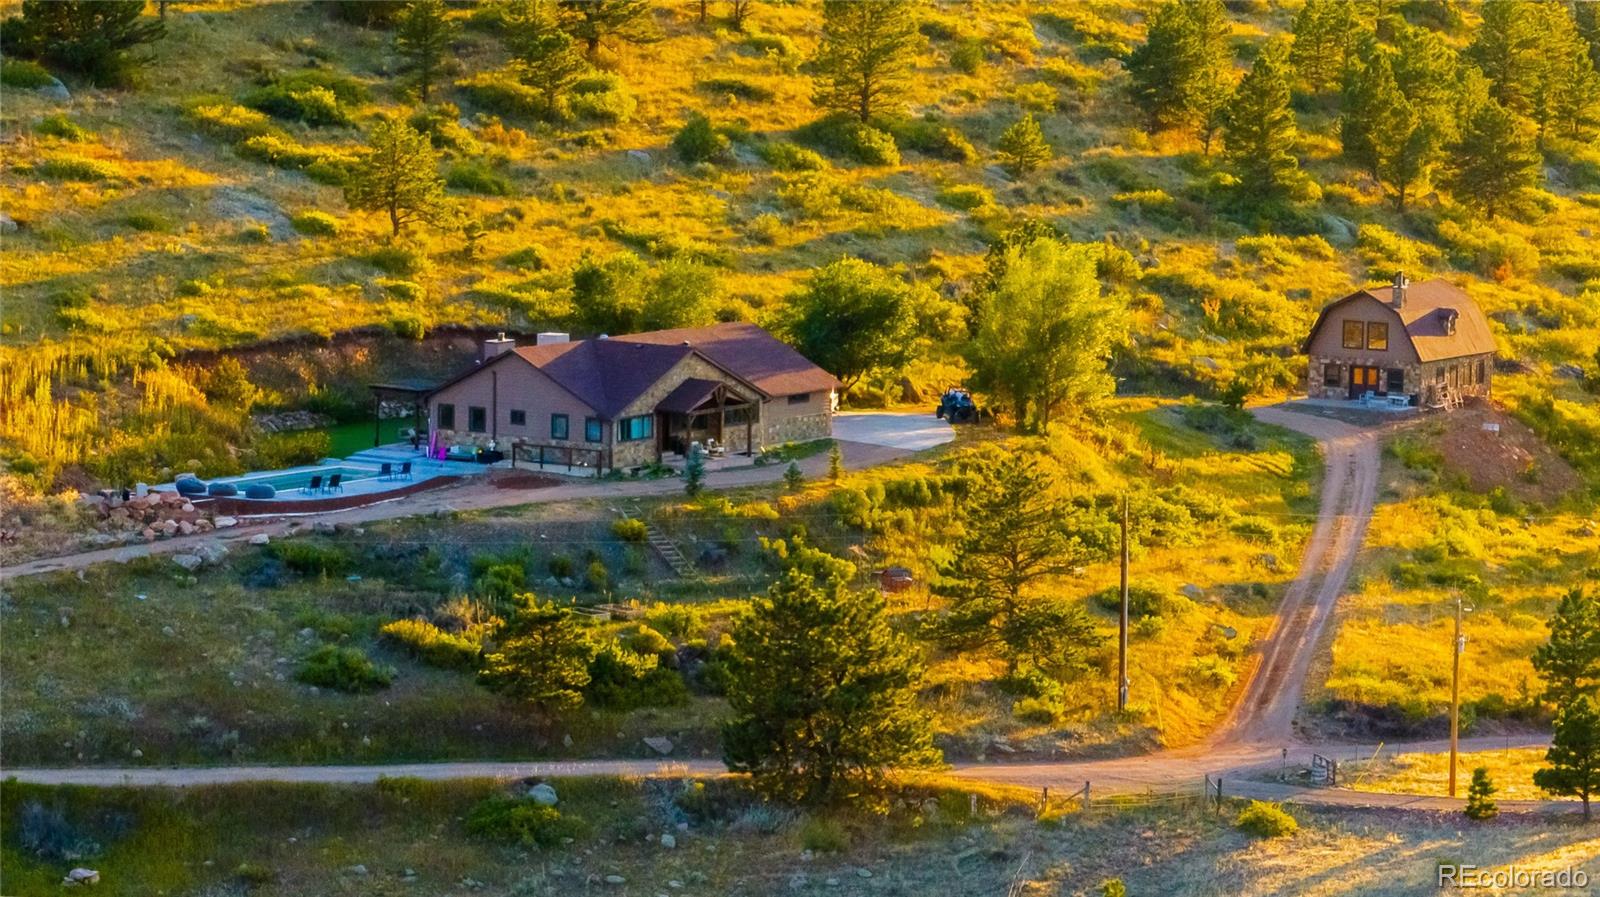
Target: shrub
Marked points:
59	125
630	530
24	73
1266	820
623	679
698	141
933	139
433	645
316	224
229	122
1255	529
521	821
475	177
824	835
74	168
1143	601
596	577
503	95
967	56
46	833
737	88
345	669
844	136
311	559
783	156
309	104
1038	711
771	44
278	151
147	221
534	258
397	260
602	97
644	640
288	449
966	197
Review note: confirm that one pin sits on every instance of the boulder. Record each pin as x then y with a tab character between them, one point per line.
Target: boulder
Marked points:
186	527
543	794
1193	592
7	225
669	841
169	527
225	522
211	552
324	528
82	876
358	870
260	539
660	744
58	92
190	562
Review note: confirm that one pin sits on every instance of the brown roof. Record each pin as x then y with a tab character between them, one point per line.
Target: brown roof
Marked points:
688	395
1425	313
606	374
749	353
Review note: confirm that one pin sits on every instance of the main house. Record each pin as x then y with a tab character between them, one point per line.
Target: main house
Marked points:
1426	341
625	401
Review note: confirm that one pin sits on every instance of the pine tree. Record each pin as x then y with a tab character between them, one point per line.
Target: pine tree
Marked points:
1380	129
1182	72
399	176
542	659
1323	34
1016	533
694	472
1569	662
1022	147
793	479
739	13
423	39
545	57
863	62
835	463
1494	161
1508	50
94	37
1574	754
1586	16
1480	796
595	21
1260	134
1568	91
823	692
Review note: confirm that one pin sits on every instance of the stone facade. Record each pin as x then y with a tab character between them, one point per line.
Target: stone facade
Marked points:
1387	366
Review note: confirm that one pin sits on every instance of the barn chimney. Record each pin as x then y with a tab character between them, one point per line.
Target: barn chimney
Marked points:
497	346
1397	292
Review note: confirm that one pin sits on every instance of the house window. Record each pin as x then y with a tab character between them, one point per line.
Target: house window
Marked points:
1377	336
477	419
738	415
1397	380
1332	375
800	398
632	429
1354	334
558	426
592	430
446	415
519	418
1482	373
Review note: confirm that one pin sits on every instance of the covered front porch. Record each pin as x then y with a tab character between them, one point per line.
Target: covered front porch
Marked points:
707	414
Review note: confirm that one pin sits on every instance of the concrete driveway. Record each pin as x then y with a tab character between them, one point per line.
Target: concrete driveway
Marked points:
907	431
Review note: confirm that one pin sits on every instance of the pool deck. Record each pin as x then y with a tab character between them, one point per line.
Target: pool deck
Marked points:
373	487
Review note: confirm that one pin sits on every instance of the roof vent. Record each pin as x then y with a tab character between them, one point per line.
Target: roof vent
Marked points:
686	342
1397	291
1450	316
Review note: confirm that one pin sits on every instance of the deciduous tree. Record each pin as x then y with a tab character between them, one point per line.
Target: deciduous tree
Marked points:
853	318
399	176
823	692
423	39
1046	331
864	59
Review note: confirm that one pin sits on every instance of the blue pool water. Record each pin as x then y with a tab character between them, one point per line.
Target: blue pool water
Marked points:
295	480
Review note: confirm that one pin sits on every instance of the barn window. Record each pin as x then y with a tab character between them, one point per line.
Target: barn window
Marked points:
1378	336
1482	373
1354	334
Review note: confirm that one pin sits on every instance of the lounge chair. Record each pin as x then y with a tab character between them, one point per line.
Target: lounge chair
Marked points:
333	483
385	470
405	470
314	486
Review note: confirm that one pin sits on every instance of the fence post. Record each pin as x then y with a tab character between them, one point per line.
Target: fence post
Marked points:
1044	800
1219	795
1086	795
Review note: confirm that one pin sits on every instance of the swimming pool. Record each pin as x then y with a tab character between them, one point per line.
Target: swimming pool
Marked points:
292	481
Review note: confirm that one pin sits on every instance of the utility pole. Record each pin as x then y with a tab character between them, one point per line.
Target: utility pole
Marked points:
1122	620
1460	645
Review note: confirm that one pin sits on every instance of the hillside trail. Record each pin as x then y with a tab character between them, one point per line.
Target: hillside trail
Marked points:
1256	735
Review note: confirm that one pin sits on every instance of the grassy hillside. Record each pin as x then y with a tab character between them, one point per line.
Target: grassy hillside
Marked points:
172	216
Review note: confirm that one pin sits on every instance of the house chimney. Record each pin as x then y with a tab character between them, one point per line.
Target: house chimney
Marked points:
1397	292
550	338
497	346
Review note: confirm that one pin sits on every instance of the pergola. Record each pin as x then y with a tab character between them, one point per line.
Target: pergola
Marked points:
702	405
410	391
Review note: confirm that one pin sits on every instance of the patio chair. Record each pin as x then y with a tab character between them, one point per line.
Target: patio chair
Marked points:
333	483
385	470
314	486
405	469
